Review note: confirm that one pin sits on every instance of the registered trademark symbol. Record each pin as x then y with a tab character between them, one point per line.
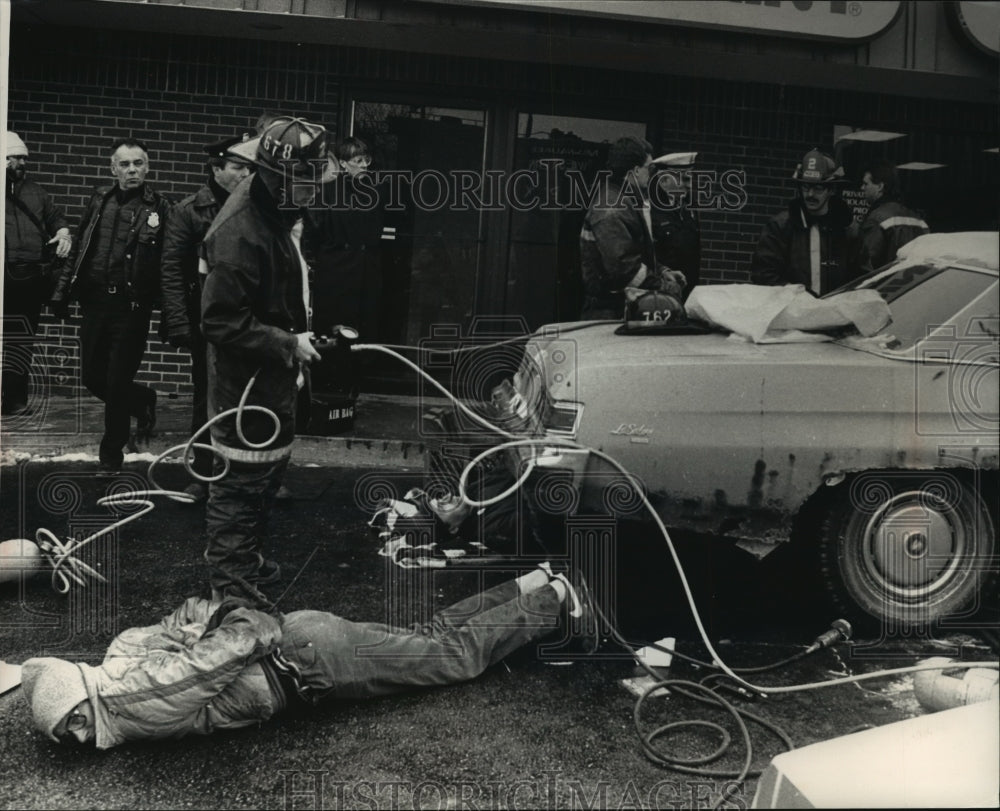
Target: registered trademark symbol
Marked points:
854	9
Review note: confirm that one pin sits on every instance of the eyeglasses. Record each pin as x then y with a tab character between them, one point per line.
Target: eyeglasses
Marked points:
75	721
360	160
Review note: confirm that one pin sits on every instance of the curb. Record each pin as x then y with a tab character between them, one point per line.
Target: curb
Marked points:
335	451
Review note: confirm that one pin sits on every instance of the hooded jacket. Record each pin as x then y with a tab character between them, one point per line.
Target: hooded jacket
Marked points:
783	253
252	306
175	678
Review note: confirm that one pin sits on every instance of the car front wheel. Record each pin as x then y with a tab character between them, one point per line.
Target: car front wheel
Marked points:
907	550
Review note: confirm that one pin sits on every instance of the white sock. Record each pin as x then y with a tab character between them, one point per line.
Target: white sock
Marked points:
577	609
531	581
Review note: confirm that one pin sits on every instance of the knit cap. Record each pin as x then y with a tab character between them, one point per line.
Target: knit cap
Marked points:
14	145
52	688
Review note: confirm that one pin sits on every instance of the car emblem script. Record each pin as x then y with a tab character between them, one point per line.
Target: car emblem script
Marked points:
635	433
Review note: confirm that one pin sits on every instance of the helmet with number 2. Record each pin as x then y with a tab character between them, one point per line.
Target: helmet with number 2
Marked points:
293	146
819	168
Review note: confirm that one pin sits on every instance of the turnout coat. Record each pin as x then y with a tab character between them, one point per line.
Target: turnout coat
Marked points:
251	308
784	253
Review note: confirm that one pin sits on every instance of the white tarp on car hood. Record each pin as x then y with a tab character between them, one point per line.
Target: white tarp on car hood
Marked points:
787	314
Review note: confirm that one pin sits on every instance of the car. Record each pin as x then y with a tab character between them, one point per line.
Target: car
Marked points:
879	453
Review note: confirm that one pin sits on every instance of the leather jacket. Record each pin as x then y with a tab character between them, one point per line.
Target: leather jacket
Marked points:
180	286
143	251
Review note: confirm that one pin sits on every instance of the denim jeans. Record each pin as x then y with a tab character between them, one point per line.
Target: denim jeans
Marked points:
338	658
236	518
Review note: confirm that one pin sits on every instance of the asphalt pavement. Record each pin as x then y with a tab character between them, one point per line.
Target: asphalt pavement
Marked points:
384	430
544	729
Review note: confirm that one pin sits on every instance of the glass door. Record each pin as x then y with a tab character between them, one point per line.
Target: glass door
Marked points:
431	247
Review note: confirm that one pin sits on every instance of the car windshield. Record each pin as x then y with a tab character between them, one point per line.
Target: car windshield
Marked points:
923	297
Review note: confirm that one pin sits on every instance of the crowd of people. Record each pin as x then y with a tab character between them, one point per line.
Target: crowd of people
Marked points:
230	268
239	277
631	245
134	250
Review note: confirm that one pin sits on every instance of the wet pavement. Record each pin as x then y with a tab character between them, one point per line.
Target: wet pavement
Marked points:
541	730
386	430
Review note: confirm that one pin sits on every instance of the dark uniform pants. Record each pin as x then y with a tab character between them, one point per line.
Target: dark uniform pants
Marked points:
113	341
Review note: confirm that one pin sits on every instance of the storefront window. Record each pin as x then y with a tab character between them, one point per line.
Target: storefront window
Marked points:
950	180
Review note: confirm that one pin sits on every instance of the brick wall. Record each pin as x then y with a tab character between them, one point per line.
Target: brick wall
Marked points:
72	92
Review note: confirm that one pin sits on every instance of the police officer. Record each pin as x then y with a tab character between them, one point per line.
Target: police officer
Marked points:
811	241
676	228
114	271
180	285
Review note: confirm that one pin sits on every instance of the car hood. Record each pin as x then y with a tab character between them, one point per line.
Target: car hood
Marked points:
570	353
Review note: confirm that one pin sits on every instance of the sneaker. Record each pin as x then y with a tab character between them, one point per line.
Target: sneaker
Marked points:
146	422
581	611
198	491
451	510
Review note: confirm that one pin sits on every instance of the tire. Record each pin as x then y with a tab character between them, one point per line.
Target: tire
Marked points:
905	550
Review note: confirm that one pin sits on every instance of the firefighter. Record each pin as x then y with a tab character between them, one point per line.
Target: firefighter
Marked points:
809	242
255	320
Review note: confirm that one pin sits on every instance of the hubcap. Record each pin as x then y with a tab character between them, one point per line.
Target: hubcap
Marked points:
913	544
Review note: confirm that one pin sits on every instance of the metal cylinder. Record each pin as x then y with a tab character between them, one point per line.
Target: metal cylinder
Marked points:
19	557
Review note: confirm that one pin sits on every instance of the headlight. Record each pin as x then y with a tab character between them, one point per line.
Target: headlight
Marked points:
530	399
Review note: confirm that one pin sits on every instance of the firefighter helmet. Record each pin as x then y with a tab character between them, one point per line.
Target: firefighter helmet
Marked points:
818	167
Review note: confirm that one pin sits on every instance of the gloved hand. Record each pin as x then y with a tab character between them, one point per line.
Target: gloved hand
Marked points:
671	282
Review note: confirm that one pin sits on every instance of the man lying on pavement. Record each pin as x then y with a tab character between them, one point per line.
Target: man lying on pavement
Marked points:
212	665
